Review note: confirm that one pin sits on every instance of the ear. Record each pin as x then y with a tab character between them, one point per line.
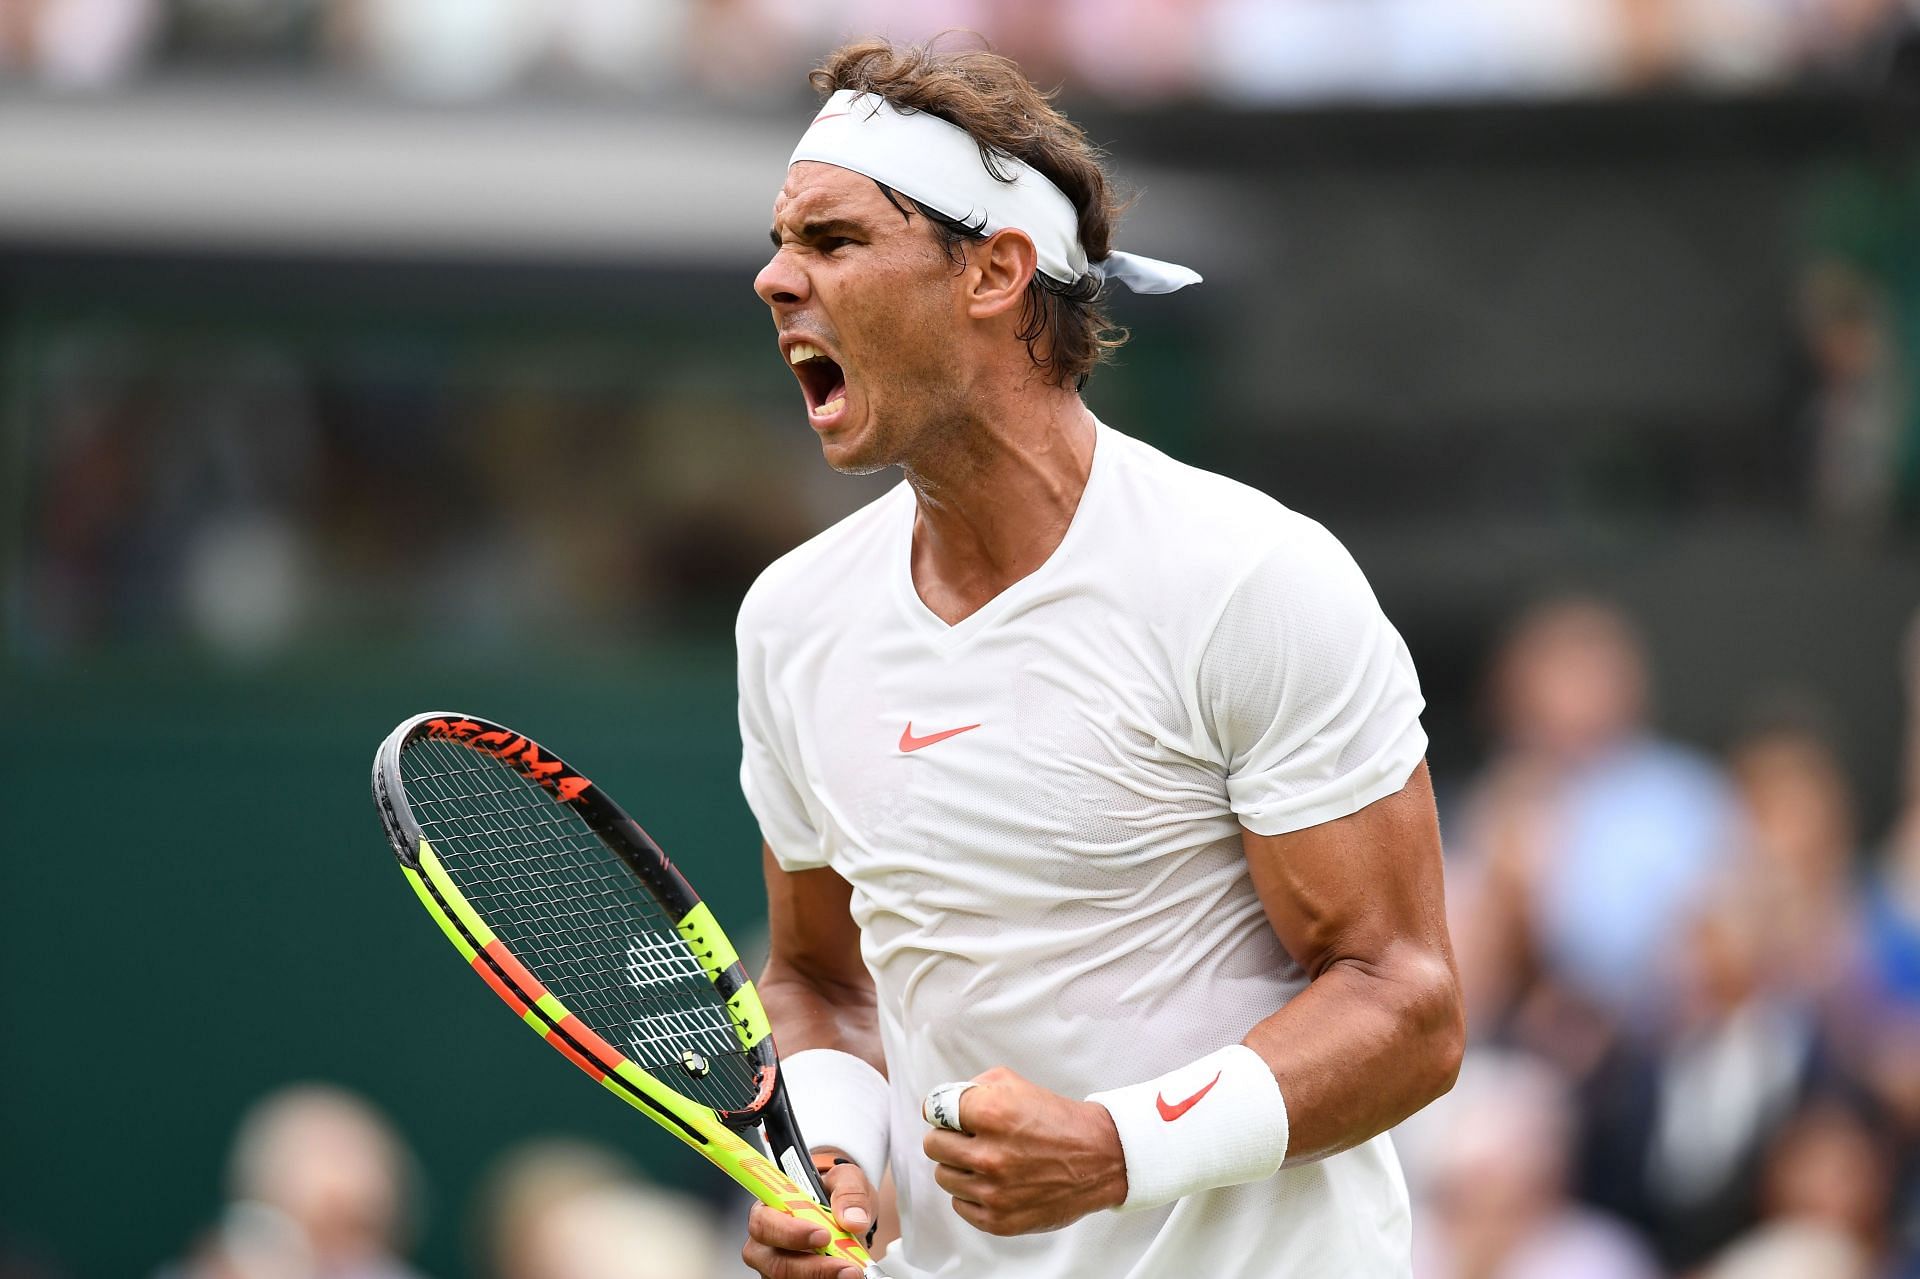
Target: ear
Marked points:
998	271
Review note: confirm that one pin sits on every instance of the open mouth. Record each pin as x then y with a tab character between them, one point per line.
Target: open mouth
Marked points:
821	380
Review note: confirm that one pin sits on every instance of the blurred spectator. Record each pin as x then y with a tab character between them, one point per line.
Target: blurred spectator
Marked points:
320	1188
567	1210
1489	1166
1861	325
1587	838
1792	1250
1801	844
1859	403
78	43
1827	1188
1726	1074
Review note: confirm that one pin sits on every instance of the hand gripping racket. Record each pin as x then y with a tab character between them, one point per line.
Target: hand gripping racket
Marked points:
579	922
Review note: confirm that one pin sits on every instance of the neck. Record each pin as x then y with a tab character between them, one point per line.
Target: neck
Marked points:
997	500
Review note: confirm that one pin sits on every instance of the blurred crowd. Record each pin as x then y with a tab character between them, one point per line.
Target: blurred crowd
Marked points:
1246	51
321	1186
1694	988
400	493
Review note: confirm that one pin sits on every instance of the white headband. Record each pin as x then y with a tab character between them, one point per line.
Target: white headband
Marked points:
939	165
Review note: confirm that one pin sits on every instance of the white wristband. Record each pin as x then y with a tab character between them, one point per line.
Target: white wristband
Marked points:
1219	1121
840	1100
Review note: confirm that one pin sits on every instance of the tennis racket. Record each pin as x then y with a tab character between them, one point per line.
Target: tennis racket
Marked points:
575	917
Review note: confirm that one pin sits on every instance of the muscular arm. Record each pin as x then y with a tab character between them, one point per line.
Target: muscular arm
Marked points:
1379	1031
816	988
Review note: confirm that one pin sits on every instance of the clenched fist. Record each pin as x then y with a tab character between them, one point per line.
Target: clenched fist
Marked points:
1030	1160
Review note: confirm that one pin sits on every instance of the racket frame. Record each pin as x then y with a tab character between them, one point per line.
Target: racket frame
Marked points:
788	1181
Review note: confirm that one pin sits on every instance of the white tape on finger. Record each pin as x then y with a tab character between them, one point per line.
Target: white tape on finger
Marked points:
941	1107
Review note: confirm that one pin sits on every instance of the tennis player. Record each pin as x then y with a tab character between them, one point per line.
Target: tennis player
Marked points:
1101	855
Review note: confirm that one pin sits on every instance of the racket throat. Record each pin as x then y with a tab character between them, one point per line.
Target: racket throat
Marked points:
787	1147
800	1168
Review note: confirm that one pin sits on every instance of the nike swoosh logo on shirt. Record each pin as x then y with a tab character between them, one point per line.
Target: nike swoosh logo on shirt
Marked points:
908	742
1171	1113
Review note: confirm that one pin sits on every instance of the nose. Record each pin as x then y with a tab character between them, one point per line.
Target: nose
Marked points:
781	283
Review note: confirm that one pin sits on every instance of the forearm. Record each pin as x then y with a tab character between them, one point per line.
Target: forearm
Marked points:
816	988
1362	1047
808	1010
831	1058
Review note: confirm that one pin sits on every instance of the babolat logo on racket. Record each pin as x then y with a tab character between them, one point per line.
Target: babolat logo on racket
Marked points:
516	750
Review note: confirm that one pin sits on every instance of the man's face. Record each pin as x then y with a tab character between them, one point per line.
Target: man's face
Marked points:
877	300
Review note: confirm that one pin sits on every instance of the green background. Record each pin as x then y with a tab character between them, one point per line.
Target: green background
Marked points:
202	907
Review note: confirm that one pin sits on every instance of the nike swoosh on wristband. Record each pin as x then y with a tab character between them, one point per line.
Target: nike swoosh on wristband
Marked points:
1171	1113
908	742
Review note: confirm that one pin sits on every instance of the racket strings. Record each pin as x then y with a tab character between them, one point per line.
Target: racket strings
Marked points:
578	917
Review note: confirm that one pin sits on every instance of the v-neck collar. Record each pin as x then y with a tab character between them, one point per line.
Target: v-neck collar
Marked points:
948	637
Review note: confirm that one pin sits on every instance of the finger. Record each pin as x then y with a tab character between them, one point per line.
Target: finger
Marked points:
967	1186
985	1107
981	1219
776	1249
955	1149
851	1197
783	1231
778	1263
941	1106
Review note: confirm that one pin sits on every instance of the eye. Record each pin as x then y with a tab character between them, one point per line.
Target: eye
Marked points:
829	243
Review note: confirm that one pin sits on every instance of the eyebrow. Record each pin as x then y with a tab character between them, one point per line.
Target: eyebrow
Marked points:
819	229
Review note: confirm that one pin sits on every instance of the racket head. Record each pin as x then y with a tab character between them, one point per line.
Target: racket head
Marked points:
572	913
464	802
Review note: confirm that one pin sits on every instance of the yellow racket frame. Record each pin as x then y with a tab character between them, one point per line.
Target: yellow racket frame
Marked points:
693	1123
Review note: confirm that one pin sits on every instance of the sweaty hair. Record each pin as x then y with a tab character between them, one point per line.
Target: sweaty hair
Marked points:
1066	330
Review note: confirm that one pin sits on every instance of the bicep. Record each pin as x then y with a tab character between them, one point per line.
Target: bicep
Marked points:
1365	888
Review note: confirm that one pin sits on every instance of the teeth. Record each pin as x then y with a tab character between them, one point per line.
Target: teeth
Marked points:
801	352
831	407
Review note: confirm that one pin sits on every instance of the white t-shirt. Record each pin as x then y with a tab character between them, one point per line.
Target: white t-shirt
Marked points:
1039	811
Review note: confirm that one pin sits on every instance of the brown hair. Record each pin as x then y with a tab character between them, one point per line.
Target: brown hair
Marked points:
988	96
